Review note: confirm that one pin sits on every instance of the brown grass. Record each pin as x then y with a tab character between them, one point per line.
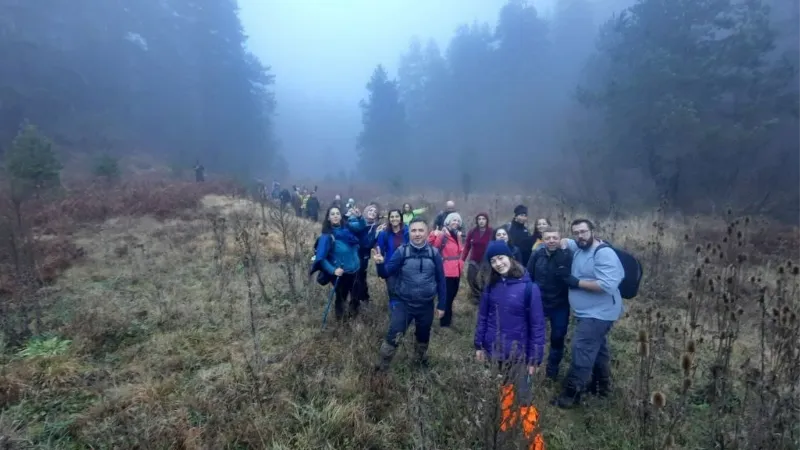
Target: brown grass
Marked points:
162	356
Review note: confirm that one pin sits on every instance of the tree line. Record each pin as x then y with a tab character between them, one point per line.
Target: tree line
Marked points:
689	102
171	77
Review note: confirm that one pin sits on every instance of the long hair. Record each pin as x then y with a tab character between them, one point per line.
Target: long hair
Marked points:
327	226
516	271
504	228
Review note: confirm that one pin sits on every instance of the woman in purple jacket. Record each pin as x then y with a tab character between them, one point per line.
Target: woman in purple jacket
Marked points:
511	331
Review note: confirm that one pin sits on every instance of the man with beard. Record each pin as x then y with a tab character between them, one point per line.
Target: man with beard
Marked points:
595	298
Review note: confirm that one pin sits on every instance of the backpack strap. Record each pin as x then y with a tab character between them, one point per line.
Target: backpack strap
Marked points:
603	245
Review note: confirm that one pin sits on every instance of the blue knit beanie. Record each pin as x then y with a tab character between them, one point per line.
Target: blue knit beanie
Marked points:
497	248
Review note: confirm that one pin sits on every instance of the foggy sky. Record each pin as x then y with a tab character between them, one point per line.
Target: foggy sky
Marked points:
322	53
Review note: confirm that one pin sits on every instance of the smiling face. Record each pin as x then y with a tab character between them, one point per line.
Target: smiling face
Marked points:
542	225
371	213
454	224
395	219
501	235
335	216
552	240
501	264
418	233
406	208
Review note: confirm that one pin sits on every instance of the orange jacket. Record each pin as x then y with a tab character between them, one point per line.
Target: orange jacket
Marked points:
450	250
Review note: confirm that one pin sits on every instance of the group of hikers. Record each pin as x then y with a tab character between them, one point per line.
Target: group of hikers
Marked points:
519	278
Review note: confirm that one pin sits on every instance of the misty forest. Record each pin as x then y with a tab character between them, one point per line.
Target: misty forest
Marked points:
155	294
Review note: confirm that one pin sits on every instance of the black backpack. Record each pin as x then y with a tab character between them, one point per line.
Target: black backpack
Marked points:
629	287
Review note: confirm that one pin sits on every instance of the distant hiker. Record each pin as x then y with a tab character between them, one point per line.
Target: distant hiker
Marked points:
390	238
475	245
409	212
448	242
511	331
337	201
519	234
541	225
501	234
297	201
285	198
418	271
368	237
304	196
595	298
312	207
449	207
275	193
339	255
550	268
199	172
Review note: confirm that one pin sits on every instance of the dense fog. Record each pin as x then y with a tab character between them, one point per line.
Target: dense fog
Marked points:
599	102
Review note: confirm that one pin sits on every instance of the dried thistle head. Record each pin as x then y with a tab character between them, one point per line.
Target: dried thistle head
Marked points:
686	385
642	337
658	399
644	349
669	442
691	346
686	364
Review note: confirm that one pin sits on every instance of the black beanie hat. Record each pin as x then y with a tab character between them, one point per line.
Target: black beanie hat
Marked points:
520	209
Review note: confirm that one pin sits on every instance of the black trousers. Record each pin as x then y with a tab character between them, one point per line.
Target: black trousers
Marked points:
401	317
344	289
453	284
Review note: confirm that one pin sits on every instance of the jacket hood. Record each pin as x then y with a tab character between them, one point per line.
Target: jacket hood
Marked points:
482	214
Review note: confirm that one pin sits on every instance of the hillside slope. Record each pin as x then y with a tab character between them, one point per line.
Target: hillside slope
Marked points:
163	337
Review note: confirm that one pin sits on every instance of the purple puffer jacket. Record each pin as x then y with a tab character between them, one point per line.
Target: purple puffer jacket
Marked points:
503	304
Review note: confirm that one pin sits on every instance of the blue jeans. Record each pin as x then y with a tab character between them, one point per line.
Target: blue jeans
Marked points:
590	355
559	322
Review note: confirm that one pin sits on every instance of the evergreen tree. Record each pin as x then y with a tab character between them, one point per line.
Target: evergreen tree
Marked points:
383	142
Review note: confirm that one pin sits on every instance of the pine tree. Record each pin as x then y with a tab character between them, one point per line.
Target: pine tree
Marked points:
383	142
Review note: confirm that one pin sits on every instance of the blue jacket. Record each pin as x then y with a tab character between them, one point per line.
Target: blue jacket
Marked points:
505	314
385	241
345	248
418	278
367	239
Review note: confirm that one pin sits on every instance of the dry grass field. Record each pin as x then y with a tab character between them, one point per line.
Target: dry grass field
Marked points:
200	330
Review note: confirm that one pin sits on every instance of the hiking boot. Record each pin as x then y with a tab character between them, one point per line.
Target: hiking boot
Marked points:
600	384
421	352
568	398
385	356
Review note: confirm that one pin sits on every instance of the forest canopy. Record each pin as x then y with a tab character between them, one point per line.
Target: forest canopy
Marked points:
692	102
168	77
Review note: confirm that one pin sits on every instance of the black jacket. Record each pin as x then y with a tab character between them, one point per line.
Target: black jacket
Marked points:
550	272
519	235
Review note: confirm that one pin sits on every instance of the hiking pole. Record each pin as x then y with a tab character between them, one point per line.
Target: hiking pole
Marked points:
328	306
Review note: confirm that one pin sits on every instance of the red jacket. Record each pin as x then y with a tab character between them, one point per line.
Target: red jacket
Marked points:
451	252
477	241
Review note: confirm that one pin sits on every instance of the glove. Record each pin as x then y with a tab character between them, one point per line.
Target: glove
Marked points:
572	282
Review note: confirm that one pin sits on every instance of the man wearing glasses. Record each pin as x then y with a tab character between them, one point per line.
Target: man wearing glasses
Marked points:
596	301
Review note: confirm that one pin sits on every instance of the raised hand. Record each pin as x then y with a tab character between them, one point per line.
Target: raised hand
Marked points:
377	257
